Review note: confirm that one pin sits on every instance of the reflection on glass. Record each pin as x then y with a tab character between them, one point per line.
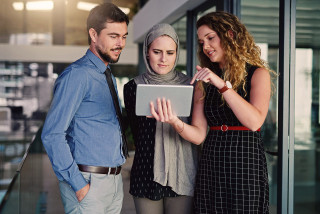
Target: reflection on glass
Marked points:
307	128
262	20
25	94
13	202
181	28
50	22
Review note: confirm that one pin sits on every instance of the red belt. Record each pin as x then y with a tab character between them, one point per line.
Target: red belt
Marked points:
225	128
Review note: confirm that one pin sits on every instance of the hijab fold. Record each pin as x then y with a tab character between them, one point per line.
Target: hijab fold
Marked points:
175	159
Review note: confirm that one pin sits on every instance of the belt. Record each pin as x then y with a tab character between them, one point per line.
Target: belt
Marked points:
100	169
225	128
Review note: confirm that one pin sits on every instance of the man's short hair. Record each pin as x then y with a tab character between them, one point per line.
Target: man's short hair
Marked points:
102	14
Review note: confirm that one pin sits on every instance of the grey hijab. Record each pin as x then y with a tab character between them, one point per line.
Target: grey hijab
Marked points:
175	159
150	77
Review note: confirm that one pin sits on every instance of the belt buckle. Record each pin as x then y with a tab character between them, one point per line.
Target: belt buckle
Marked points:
116	170
109	170
224	128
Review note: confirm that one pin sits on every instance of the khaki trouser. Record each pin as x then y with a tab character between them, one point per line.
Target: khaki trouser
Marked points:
105	195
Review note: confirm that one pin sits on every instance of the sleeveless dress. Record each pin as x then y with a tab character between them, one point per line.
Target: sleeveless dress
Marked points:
232	175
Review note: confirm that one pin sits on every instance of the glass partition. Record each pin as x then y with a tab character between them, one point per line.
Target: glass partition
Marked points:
25	94
307	120
262	20
26	192
10	203
50	22
181	28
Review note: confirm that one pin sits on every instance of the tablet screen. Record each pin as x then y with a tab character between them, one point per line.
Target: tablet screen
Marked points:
179	95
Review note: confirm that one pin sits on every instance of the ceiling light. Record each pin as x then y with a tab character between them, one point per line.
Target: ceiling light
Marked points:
87	6
33	5
39	5
18	5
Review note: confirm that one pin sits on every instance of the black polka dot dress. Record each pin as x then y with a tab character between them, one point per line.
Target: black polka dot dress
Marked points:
232	176
143	130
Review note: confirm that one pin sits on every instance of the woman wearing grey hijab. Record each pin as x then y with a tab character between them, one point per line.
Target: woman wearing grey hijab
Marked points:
164	167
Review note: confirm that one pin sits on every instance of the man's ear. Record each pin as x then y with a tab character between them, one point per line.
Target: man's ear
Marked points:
230	32
93	34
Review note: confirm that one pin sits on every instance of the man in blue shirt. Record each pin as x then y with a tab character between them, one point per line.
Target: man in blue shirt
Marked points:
82	134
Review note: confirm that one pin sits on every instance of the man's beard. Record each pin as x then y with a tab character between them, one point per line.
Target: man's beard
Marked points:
106	57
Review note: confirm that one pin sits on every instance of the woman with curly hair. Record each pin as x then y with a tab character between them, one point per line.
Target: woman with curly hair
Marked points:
232	99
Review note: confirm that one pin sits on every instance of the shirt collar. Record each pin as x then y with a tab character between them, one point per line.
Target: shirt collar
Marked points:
97	61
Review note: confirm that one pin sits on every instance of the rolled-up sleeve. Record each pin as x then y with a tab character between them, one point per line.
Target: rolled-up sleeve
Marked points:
66	100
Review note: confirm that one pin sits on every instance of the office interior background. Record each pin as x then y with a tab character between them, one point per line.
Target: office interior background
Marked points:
39	38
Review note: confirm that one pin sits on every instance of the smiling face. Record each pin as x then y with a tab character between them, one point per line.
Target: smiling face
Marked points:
211	46
162	54
110	42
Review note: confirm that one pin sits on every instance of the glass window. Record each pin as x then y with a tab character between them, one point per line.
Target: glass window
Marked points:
307	121
181	28
25	22
50	22
262	20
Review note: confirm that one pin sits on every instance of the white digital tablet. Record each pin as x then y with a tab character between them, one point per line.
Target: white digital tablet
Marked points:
179	95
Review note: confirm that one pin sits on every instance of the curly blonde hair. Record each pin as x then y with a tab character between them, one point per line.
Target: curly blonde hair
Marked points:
238	45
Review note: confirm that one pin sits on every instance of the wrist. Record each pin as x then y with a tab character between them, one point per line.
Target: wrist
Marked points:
221	84
178	125
227	85
180	129
176	122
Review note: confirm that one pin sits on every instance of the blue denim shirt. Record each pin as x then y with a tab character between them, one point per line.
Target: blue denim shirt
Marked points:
82	126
